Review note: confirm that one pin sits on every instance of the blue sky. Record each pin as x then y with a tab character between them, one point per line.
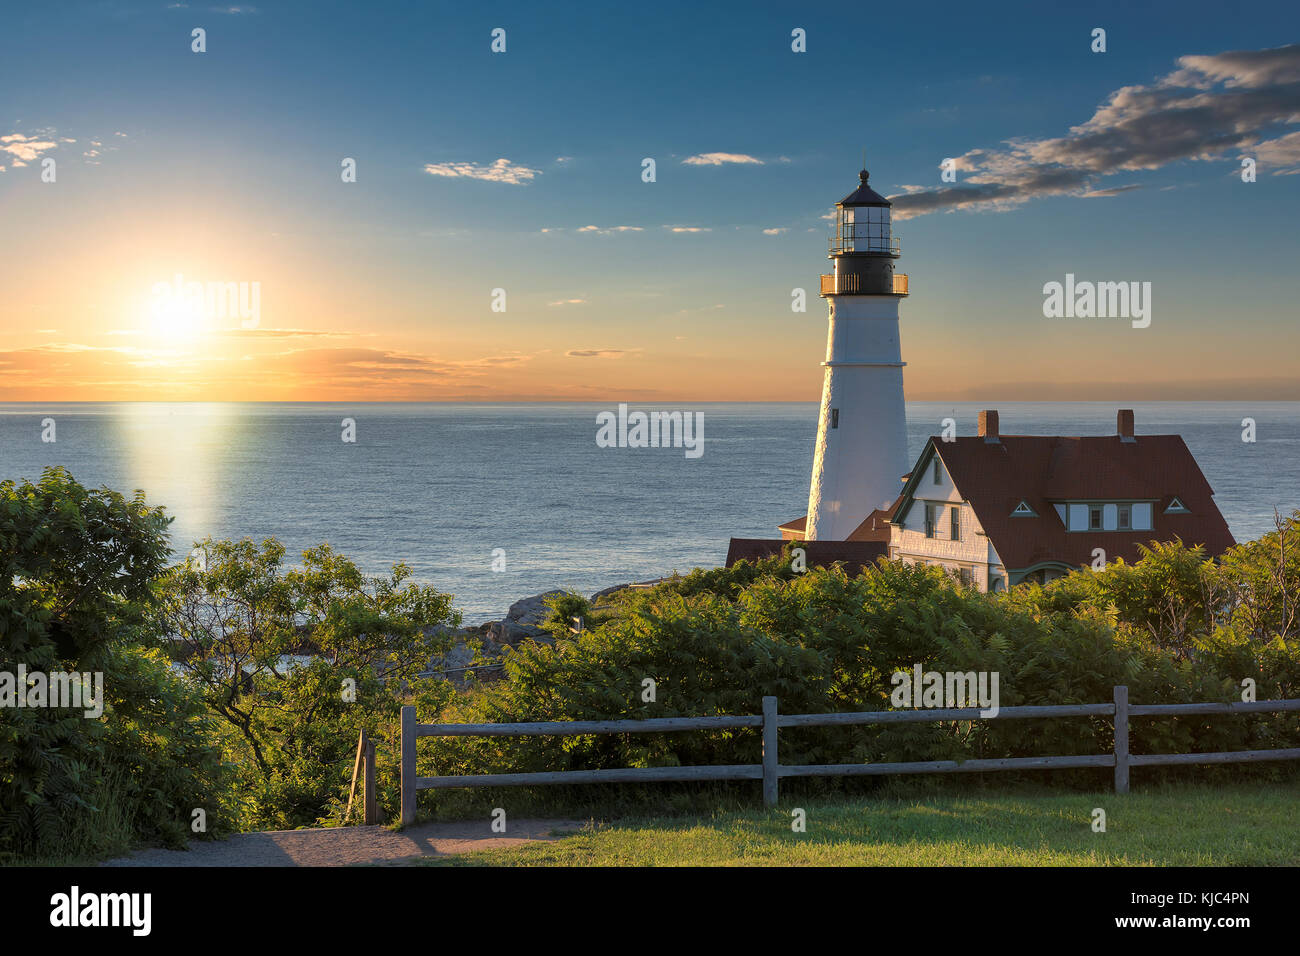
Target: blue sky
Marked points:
226	163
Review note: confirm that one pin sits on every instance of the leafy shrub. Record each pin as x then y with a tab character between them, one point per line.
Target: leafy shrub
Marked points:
77	569
717	641
297	661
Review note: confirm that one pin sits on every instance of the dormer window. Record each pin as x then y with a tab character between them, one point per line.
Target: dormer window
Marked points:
1087	516
1023	510
1176	507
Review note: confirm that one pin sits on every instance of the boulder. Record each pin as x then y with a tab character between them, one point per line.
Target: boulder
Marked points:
530	612
509	633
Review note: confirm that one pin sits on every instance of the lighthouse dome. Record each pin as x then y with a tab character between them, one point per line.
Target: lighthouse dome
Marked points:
864	195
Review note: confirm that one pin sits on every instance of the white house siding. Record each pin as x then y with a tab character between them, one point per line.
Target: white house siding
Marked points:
973	549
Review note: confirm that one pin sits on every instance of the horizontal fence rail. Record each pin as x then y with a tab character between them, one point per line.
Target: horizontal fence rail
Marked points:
770	722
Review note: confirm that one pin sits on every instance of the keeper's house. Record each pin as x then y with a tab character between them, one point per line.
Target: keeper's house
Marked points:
996	510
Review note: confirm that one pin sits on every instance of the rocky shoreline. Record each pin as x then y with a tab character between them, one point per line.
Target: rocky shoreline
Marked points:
496	639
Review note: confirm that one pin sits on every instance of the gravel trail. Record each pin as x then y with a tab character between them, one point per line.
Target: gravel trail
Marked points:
349	846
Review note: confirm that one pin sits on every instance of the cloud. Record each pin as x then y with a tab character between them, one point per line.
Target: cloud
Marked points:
599	353
24	149
688	228
240	332
1110	191
775	231
609	231
234	368
1281	155
568	302
1211	107
719	159
501	171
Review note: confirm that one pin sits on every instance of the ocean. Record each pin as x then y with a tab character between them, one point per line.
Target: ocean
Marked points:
442	487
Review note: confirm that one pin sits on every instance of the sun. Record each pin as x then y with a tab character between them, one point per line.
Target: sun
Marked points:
177	318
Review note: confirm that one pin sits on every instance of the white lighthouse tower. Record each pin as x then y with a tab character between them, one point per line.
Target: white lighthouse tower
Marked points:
861	450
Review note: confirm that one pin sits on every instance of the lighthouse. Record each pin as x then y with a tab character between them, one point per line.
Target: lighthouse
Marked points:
861	450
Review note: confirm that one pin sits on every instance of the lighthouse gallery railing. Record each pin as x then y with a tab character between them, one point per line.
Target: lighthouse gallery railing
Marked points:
848	284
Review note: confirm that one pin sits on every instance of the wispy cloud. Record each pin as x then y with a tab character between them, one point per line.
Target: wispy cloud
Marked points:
609	230
559	302
599	353
1211	108
240	332
720	159
25	149
688	228
238	367
501	171
775	231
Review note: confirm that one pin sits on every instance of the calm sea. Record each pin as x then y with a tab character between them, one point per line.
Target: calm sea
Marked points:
440	486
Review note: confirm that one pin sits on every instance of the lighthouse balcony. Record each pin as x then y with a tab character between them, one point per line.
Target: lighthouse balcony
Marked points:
847	240
850	284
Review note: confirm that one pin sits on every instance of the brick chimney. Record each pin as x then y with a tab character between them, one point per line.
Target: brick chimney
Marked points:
989	425
1124	424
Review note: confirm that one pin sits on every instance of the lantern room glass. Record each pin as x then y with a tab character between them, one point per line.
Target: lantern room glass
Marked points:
863	229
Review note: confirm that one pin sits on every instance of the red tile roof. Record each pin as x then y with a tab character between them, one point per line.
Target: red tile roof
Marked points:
1041	470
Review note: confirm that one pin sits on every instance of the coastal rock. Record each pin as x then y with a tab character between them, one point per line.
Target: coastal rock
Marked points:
530	612
510	633
456	662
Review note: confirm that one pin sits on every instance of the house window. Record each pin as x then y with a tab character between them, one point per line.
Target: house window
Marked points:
835	418
929	520
1023	509
938	472
1176	507
1094	518
1125	517
967	576
956	523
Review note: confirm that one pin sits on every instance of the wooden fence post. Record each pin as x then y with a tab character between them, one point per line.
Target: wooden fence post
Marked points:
408	765
1121	739
356	769
372	796
771	782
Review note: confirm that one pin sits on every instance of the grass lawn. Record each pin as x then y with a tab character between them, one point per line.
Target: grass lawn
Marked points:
1186	825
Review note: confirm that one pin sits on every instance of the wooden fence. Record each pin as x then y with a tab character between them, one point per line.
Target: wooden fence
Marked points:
364	765
770	771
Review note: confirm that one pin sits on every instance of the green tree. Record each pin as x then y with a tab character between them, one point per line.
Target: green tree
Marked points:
297	661
77	574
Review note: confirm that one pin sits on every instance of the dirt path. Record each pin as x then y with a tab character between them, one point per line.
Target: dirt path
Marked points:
348	846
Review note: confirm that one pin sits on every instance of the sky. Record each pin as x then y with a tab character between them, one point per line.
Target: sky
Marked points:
521	172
